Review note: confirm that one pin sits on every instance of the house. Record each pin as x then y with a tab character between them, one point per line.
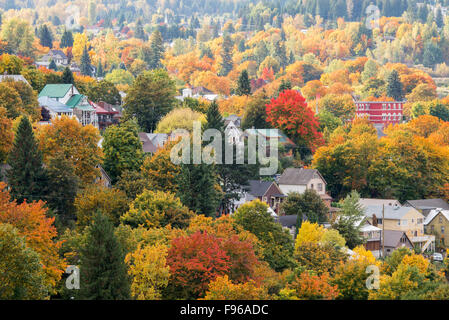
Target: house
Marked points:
300	179
152	142
235	119
58	56
380	112
266	191
104	178
268	135
437	223
288	222
399	218
51	109
395	239
13	77
107	114
68	95
373	238
378	202
197	92
233	134
426	205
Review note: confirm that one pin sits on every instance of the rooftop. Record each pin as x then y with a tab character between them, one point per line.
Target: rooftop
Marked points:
298	176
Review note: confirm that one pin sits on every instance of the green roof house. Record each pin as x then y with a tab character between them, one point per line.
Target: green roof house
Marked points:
68	95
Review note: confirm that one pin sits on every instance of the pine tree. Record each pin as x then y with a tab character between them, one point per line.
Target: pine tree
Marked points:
214	118
100	71
243	84
439	18
394	86
285	85
66	39
103	269
27	177
226	56
85	63
52	65
45	36
156	50
67	76
140	33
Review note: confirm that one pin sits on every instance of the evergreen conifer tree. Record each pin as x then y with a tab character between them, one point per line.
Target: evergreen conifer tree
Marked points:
394	86
103	272
243	84
27	177
85	63
67	76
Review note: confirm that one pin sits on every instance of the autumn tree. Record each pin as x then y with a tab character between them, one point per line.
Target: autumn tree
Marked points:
6	135
194	261
103	272
306	205
309	286
104	91
289	113
79	145
122	149
149	271
222	288
21	274
112	203
179	118
32	223
156	209
150	98
255	114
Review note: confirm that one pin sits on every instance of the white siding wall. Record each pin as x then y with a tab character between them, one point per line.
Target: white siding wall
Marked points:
286	188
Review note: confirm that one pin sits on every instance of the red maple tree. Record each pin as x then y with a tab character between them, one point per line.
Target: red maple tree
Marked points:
289	112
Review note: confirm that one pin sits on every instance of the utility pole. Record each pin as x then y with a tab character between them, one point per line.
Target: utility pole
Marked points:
383	231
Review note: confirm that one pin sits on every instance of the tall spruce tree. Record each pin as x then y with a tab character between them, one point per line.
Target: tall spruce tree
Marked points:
214	118
394	86
67	76
103	272
85	63
156	50
27	177
52	65
243	84
67	39
45	36
226	56
140	33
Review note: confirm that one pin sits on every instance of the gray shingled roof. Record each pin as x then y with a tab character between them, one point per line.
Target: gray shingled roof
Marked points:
287	221
257	188
298	176
429	204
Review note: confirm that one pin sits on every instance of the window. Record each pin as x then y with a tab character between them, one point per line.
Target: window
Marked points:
320	187
442	230
379	221
441	219
404	222
419	221
311	186
432	229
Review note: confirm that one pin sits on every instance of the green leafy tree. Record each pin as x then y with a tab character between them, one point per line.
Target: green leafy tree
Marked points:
348	223
27	177
151	97
103	272
21	273
122	149
277	243
104	91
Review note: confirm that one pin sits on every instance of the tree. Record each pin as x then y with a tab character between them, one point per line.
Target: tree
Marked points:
394	86
122	149
6	135
67	76
319	258
289	113
85	63
150	97
45	36
156	50
103	273
226	63
222	288
309	233
350	279
52	65
243	85
308	204
27	177
62	188
255	115
140	33
79	145
194	262
32	223
21	274
104	91
308	286
348	223
179	118
19	36
157	209
214	118
112	203
277	243
149	271
66	39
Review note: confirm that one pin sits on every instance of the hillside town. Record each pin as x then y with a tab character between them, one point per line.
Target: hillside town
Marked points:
224	150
